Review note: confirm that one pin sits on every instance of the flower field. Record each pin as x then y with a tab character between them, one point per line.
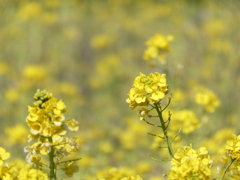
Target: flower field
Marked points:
119	90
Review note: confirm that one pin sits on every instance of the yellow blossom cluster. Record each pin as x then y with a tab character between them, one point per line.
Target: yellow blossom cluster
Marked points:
157	46
208	99
16	172
46	118
233	149
48	125
185	120
191	164
147	89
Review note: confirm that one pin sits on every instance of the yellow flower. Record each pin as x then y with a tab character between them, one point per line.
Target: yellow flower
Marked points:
233	147
32	174
45	148
70	168
3	155
29	10
150	53
19	135
36	128
160	41
12	95
4	172
158	45
72	125
35	73
147	89
190	164
143	112
185	120
48	125
208	99
71	145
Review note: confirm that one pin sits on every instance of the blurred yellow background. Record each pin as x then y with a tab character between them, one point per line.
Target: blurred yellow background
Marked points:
88	52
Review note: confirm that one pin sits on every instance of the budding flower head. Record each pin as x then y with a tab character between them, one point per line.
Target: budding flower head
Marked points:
147	89
3	155
41	96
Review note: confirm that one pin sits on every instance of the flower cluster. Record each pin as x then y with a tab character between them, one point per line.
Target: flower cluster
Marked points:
208	99
185	120
147	89
191	164
48	125
233	150
16	172
158	45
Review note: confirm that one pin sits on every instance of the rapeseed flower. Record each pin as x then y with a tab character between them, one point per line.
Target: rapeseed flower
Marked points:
3	155
32	174
147	89
233	147
157	46
191	164
185	120
48	125
70	168
208	99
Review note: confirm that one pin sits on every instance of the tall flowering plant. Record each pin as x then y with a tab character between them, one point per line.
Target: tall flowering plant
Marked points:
148	91
48	127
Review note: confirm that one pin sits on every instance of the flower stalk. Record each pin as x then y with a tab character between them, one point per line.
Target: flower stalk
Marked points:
226	169
164	129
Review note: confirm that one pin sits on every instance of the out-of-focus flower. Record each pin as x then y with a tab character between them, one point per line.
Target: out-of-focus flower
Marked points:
101	41
157	47
70	168
185	120
106	147
29	10
4	68
115	173
208	99
32	174
12	95
34	73
3	155
19	135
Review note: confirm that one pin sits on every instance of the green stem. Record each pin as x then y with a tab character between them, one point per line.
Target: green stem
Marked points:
52	163
226	169
164	128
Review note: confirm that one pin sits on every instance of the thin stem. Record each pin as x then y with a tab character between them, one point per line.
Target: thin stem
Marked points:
52	163
226	169
164	128
169	101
